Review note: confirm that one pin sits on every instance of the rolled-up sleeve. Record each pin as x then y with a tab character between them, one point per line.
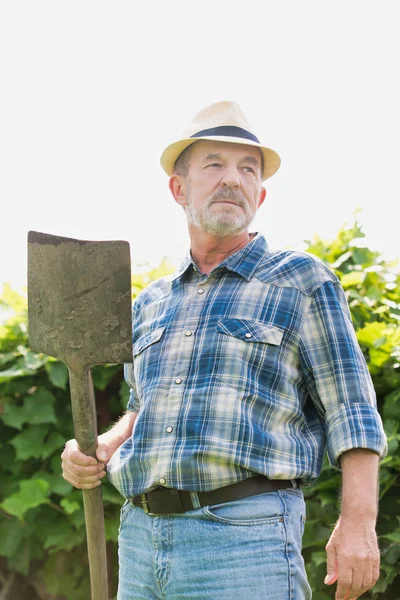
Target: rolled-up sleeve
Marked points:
337	376
133	402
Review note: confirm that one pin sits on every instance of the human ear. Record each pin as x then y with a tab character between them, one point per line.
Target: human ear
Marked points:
177	189
263	195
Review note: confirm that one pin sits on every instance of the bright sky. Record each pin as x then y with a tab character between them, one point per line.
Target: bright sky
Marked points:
92	92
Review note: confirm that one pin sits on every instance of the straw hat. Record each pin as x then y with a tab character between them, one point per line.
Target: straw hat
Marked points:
220	122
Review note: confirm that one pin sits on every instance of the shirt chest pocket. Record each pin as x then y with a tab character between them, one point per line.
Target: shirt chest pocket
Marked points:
249	351
250	331
146	355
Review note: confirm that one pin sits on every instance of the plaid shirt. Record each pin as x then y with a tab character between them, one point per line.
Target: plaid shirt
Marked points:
253	369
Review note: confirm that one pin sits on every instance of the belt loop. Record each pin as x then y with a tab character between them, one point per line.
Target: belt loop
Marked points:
195	500
145	503
294	483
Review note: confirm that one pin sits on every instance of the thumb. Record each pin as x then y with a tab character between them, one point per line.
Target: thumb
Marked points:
103	453
331	575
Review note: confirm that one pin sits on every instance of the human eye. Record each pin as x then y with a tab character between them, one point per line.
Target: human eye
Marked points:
249	170
213	165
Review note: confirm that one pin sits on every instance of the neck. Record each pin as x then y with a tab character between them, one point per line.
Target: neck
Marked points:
209	251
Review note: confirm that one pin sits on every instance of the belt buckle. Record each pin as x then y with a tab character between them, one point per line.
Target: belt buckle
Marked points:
145	505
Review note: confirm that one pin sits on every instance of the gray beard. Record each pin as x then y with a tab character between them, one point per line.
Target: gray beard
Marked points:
225	222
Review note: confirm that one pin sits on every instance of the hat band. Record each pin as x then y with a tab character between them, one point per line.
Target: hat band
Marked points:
227	131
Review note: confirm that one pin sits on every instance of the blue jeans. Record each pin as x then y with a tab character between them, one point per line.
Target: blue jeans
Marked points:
247	549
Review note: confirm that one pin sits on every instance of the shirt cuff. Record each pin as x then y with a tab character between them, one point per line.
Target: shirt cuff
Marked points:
356	425
133	402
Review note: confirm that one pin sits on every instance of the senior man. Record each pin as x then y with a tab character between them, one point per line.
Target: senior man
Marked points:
246	368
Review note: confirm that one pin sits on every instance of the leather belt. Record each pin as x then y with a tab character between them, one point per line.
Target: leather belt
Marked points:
164	501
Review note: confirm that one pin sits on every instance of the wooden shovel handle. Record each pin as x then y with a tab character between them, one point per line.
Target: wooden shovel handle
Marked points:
85	426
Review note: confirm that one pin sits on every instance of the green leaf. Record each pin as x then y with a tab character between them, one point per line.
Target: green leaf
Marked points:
37	408
58	374
370	333
13	416
362	256
12	532
352	279
64	538
28	444
378	357
393	537
315	534
391	408
14	373
70	506
34	361
57	483
103	374
19	561
32	493
6	358
55	442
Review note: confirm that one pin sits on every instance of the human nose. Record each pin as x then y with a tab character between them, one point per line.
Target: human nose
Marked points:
230	177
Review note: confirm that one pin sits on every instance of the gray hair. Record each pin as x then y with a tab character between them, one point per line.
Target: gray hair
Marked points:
181	166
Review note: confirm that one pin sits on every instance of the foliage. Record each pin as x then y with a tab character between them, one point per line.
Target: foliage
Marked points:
43	552
372	287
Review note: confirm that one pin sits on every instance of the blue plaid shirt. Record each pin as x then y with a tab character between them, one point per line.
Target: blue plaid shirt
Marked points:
254	369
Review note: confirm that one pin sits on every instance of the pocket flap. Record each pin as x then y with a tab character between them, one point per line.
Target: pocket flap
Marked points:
146	340
250	330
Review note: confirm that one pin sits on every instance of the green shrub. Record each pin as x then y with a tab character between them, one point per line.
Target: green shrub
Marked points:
43	551
373	290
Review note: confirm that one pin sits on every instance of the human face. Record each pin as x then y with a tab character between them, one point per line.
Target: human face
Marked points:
223	187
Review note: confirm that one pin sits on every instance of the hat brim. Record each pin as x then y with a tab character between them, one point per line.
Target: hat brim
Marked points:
272	160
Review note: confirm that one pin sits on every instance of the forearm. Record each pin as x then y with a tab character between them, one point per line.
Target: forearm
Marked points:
120	431
359	485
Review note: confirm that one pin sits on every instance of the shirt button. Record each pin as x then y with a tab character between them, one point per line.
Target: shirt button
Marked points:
200	291
178	380
188	333
169	429
248	335
162	481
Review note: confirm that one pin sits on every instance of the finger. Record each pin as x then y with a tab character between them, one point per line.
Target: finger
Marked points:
375	572
85	486
345	576
83	477
103	453
367	581
79	483
80	471
79	458
356	582
331	565
70	446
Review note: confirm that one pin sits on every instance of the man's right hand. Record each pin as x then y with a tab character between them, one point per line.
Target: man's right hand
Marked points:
84	472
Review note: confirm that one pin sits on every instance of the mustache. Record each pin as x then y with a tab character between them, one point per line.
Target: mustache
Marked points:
229	194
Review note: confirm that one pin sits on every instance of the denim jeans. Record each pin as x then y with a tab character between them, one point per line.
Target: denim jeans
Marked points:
247	549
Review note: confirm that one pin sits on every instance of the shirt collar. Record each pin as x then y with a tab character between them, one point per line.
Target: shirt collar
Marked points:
244	262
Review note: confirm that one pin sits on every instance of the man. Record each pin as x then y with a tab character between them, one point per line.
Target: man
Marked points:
245	367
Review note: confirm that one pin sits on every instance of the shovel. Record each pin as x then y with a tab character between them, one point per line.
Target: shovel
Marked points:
79	311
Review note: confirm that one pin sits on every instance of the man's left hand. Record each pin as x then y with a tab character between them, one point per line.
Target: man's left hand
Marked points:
352	558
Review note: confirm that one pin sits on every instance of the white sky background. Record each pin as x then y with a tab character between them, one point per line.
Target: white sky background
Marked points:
92	92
